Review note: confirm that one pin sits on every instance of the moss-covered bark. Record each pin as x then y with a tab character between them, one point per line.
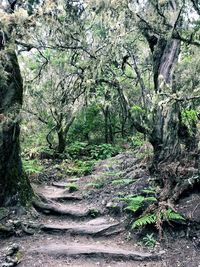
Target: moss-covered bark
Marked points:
15	188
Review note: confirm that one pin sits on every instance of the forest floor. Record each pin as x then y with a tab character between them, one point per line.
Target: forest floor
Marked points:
84	224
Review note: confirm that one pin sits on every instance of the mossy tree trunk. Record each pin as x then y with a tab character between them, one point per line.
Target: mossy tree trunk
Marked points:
172	166
166	112
15	188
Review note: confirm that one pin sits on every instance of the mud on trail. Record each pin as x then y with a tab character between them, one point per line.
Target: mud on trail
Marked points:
88	227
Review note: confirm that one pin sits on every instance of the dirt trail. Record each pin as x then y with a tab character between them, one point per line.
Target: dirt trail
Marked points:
75	229
67	232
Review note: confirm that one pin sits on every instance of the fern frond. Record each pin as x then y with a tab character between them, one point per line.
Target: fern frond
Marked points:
171	215
148	218
149	191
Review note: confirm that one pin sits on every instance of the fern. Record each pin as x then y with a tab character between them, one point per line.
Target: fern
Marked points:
32	167
148	218
122	181
171	215
149	191
157	216
152	218
137	202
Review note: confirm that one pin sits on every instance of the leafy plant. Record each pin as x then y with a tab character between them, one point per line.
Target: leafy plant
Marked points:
155	216
122	181
149	240
189	115
72	187
94	212
103	151
79	167
137	140
98	183
77	149
149	191
32	167
161	216
137	202
149	218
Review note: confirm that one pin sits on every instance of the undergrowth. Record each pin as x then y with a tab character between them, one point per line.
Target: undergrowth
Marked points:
32	166
147	210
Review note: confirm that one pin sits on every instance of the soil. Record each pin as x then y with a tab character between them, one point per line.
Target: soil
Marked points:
89	227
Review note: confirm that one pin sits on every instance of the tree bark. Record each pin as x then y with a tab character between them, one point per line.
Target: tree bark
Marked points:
61	141
170	163
164	137
106	126
15	187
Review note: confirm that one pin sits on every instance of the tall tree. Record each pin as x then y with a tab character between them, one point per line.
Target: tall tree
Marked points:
167	132
13	182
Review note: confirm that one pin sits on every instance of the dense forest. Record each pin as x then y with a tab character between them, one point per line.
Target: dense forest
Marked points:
99	132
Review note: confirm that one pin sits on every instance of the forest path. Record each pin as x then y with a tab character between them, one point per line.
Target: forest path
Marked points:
80	228
76	229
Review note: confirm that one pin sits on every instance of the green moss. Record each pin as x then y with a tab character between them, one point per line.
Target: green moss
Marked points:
25	191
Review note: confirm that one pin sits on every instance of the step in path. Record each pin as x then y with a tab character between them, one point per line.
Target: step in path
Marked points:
67	235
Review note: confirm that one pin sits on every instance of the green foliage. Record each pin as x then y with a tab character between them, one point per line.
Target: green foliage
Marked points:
149	191
134	203
103	151
171	215
189	115
137	110
140	202
79	167
95	185
122	181
72	187
137	202
153	218
89	124
149	240
32	167
99	182
189	119
95	152
137	140
149	218
77	149
94	212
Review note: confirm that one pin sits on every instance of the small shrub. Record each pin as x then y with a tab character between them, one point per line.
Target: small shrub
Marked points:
137	140
149	240
77	150
94	213
103	151
155	216
79	167
32	167
72	187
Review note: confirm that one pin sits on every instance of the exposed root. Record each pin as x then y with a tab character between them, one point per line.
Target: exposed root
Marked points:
58	209
75	250
6	230
178	178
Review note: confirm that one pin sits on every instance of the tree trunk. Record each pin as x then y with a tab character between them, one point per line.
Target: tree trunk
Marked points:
106	122
164	136
170	164
15	188
61	141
